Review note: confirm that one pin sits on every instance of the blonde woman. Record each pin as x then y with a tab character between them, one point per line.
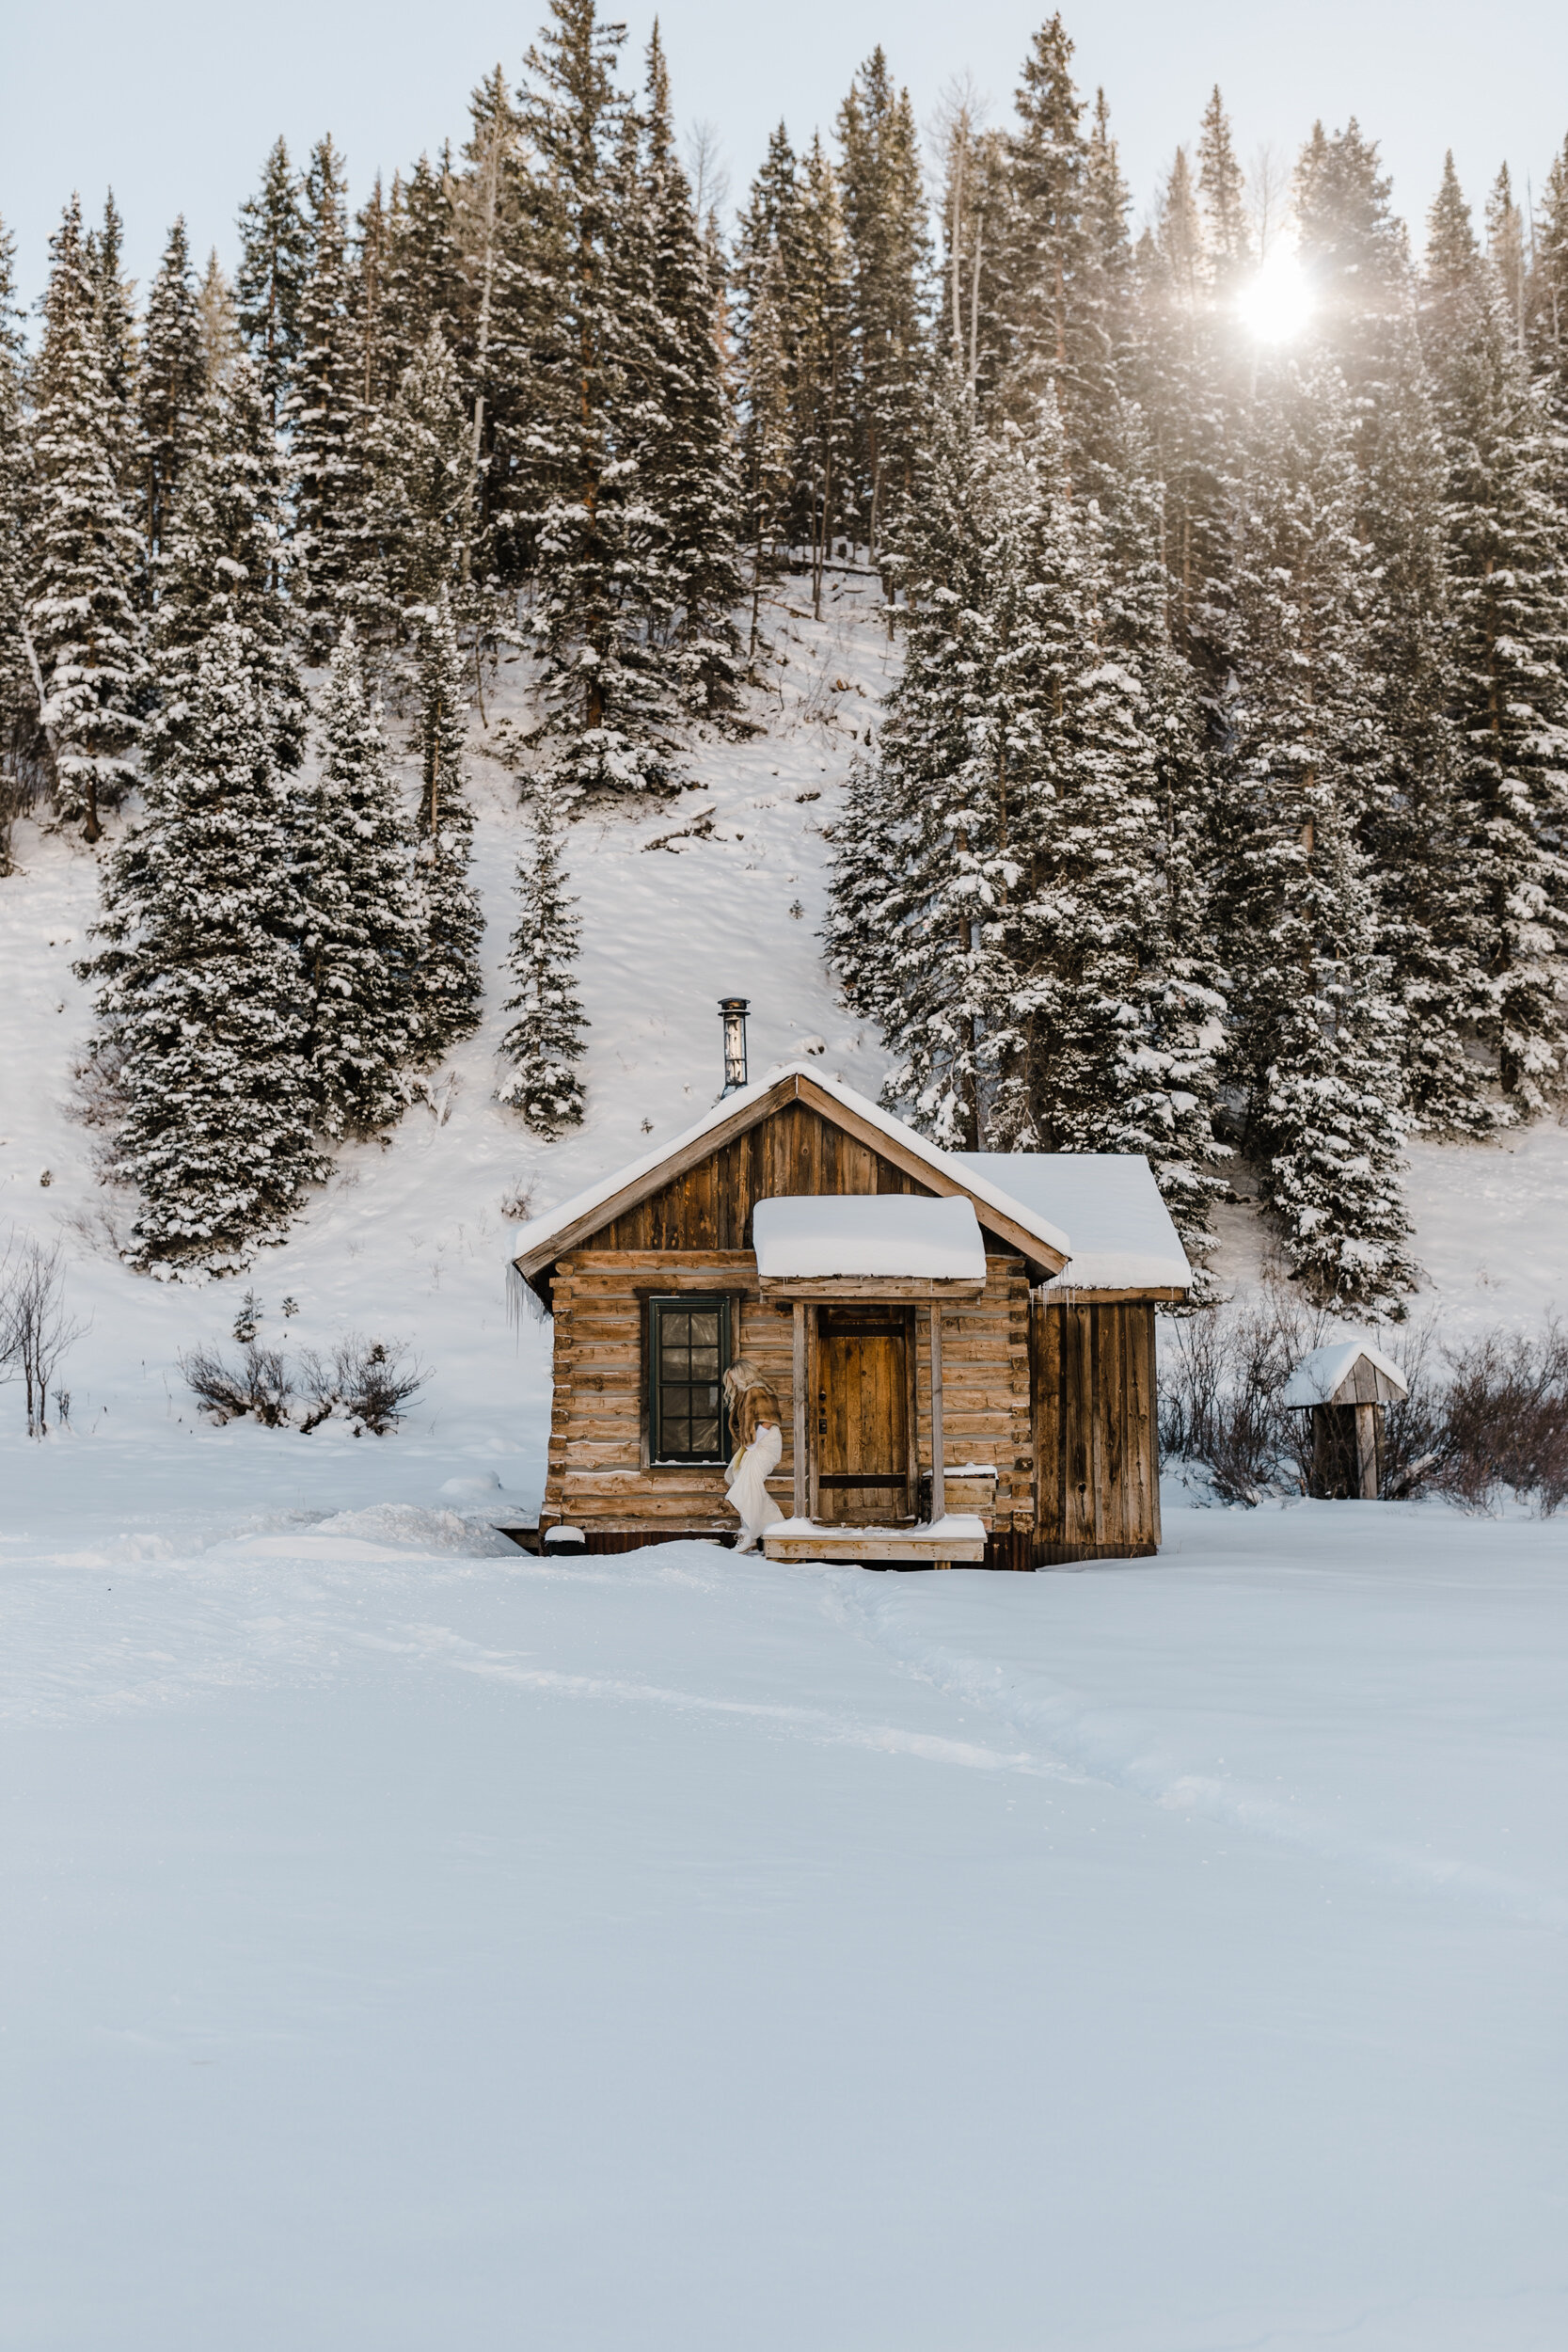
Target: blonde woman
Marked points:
754	1420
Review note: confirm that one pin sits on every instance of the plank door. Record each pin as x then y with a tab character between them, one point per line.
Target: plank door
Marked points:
864	1361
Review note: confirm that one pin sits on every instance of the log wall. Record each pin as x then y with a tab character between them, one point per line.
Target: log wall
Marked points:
1097	1468
600	1476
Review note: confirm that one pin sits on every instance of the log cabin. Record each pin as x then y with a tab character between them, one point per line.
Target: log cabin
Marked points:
963	1343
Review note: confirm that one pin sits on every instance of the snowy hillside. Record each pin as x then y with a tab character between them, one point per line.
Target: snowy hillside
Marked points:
721	891
717	892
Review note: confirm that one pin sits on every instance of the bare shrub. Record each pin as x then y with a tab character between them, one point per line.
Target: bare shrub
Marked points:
34	1329
1505	1424
368	1382
1220	1386
362	1381
260	1384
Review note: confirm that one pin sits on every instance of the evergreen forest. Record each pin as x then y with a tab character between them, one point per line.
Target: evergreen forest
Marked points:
1219	812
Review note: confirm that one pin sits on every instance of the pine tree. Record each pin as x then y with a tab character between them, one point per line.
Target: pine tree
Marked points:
1313	1045
686	452
322	413
362	933
18	699
173	378
218	565
274	255
202	992
823	463
218	323
451	984
81	620
1506	596
1429	918
609	702
884	222
543	1048
416	455
1222	192
114	308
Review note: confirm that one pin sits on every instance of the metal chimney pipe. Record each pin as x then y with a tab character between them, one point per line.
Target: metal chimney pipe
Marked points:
731	1012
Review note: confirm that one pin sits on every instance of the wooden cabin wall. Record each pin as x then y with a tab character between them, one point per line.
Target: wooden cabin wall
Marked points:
985	1388
599	1477
709	1207
1097	1468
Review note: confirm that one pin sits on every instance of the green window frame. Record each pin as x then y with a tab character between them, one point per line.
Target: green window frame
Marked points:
689	1353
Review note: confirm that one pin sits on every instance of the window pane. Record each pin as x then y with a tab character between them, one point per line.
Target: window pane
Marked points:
704	1330
705	1437
705	1364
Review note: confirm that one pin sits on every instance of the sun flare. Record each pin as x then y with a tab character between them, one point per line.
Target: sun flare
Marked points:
1277	304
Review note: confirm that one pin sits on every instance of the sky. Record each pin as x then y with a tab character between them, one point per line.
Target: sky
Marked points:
175	104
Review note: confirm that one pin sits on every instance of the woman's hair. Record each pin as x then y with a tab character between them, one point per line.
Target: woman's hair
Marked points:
750	1399
757	1404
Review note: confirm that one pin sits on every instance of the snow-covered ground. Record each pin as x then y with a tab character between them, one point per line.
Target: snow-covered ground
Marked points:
678	1952
675	1950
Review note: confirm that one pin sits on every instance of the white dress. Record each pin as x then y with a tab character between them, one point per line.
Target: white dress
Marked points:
749	1497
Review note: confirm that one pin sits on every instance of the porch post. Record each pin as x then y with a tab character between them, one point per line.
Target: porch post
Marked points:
938	1485
800	1416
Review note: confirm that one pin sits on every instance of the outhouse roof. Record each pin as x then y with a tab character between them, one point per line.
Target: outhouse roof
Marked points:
898	1234
1320	1376
1123	1238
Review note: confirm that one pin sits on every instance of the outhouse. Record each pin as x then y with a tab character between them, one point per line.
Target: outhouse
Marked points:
1345	1388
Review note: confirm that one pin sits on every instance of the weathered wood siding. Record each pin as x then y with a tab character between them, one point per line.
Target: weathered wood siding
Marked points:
695	1233
599	1472
796	1151
1097	1477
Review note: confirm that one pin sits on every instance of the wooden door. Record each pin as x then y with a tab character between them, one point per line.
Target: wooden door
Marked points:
865	1367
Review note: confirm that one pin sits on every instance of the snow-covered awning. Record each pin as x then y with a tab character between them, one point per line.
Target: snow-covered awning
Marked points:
1329	1376
1123	1238
869	1236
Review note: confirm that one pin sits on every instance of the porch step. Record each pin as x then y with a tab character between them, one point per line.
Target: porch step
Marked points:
958	1537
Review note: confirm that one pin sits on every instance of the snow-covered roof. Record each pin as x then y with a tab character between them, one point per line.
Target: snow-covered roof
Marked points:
540	1240
1108	1202
1320	1376
897	1234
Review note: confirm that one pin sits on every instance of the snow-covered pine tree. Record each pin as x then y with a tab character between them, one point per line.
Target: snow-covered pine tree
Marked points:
218	321
20	742
922	861
543	1048
115	310
218	563
1222	195
449	986
417	455
685	433
423	287
274	258
363	936
602	682
823	369
173	379
1313	1045
202	990
322	413
1429	917
80	614
890	261
763	278
1509	602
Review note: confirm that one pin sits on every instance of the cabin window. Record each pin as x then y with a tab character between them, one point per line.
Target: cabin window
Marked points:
689	1353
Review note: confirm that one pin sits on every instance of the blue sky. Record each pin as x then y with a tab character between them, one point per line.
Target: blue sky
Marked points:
175	104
